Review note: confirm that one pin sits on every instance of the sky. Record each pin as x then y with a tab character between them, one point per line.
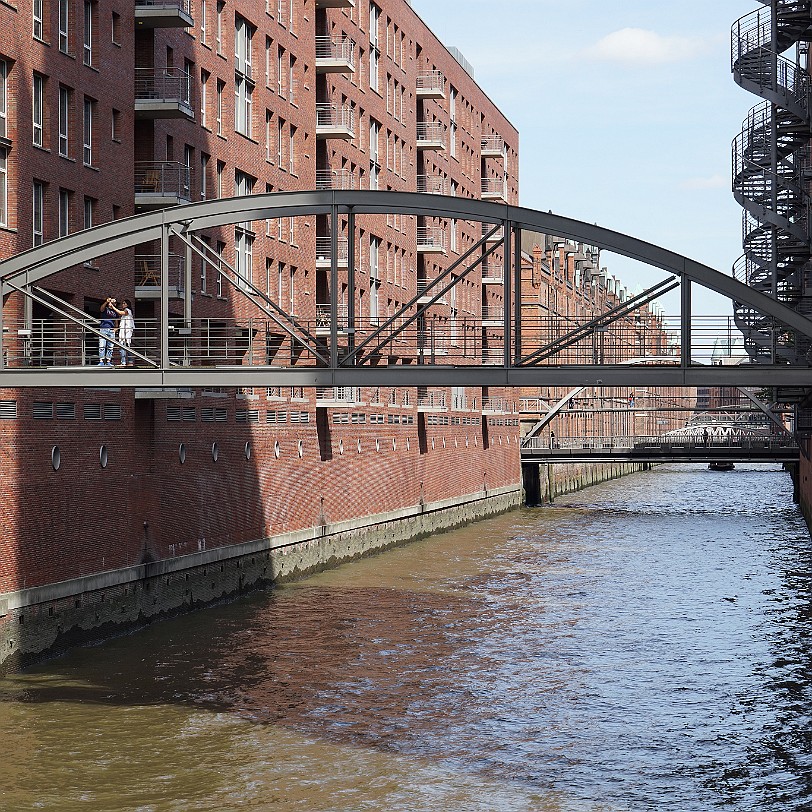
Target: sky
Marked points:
626	112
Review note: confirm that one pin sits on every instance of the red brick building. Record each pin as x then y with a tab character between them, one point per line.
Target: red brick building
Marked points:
120	505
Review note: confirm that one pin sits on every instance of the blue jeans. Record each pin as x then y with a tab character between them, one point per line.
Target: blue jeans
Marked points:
106	345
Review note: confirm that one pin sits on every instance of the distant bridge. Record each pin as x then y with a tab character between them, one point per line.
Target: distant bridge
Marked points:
339	348
661	449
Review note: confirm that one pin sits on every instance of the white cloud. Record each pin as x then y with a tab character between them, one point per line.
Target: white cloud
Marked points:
637	46
712	182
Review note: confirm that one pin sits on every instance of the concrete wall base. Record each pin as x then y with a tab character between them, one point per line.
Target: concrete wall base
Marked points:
544	482
47	621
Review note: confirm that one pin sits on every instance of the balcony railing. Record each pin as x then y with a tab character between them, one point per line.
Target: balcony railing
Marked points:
323	316
430	239
430	84
430	135
431	184
494	188
493	146
349	395
493	313
496	405
335	179
335	121
163	93
430	401
148	275
162	183
163	13
324	252
335	54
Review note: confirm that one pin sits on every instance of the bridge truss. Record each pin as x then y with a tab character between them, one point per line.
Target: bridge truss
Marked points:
338	347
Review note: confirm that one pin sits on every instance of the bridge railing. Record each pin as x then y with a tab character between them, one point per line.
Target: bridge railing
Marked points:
660	442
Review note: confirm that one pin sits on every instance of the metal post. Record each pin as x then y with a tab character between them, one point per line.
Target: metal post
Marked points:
187	288
2	348
506	289
164	322
685	322
517	294
351	282
333	286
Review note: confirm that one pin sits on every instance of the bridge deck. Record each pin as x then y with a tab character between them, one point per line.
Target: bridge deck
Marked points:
756	450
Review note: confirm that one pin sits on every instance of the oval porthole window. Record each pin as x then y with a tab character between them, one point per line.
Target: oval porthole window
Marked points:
247	451
103	456
182	453
215	452
276	449
300	449
56	457
340	446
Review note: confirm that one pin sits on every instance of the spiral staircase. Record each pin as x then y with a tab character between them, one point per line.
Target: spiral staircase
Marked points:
772	172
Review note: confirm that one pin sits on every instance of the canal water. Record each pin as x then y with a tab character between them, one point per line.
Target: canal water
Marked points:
642	645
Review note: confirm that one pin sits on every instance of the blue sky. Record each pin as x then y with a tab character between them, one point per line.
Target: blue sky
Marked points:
625	111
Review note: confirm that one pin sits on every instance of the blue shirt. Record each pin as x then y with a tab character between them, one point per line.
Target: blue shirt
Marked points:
108	318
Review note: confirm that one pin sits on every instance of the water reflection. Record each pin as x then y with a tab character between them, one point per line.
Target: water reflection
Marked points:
644	644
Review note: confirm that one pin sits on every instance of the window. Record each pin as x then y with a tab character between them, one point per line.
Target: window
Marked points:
452	104
39	112
374	277
280	134
88	33
219	32
204	31
243	90
64	120
292	150
221	86
374	163
268	116
292	290
204	98
243	35
87	128
115	33
243	257
268	60
38	210
38	30
374	51
115	126
221	167
204	262
64	16
221	251
3	187
291	79
188	163
189	71
3	98
204	171
64	212
90	205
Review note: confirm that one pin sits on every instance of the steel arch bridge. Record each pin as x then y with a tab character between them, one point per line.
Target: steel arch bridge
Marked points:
338	354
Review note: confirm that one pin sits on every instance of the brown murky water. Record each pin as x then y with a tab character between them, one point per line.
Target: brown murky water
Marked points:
643	645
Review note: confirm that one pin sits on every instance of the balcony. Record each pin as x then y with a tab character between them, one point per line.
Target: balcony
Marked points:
160	184
431	184
148	276
492	275
430	85
425	295
496	405
335	3
323	320
163	93
493	356
335	55
323	251
430	240
338	396
493	146
163	14
493	316
430	401
335	179
494	189
495	237
430	135
335	121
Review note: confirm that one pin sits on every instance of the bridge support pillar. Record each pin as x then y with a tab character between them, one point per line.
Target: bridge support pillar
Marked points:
531	479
